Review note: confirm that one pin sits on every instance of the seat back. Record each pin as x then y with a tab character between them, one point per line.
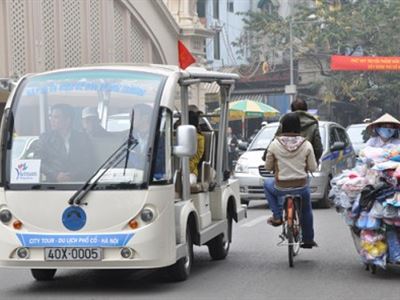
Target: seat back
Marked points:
206	176
209	147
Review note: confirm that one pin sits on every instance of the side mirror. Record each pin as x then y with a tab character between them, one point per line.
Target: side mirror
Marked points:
243	146
337	146
186	141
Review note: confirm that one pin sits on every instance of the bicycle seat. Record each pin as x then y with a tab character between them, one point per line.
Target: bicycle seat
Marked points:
294	196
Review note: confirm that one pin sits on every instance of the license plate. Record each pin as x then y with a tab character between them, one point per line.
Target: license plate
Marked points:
60	254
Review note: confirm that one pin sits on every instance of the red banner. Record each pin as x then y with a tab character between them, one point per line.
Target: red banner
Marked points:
365	63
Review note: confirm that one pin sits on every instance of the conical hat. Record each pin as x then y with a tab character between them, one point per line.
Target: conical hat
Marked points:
386	118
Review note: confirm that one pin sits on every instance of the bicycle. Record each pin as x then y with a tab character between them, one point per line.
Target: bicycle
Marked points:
291	227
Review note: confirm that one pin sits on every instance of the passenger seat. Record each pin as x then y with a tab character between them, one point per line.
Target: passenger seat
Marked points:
206	178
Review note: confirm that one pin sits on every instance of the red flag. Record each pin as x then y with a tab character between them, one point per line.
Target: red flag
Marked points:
185	57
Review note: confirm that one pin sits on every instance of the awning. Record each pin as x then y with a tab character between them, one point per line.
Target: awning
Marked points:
254	97
211	88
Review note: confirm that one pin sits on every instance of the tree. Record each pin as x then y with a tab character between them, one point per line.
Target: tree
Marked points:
357	27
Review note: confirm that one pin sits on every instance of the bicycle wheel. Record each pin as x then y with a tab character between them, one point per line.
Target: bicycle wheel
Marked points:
291	252
289	230
297	234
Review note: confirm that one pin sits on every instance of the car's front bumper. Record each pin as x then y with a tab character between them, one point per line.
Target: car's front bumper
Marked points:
251	186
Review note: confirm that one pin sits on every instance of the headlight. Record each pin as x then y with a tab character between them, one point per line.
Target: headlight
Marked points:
242	167
5	216
147	215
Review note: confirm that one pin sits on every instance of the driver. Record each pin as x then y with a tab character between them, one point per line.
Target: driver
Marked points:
65	153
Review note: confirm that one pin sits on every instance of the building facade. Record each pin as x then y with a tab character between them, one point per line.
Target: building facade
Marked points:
223	18
42	35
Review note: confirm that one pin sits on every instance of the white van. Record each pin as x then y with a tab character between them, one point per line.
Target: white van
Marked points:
121	200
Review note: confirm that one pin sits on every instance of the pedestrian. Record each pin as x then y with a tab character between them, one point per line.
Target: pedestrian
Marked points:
290	156
384	132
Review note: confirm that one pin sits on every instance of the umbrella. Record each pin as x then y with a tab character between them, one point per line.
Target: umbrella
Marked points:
250	109
245	109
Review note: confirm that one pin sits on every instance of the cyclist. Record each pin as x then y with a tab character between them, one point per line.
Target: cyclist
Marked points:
309	126
290	157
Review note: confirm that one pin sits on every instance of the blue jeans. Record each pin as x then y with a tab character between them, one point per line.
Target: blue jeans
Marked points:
275	198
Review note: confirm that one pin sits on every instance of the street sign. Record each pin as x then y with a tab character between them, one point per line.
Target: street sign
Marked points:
290	89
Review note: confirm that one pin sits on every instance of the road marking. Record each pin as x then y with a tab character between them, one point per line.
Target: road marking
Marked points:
255	221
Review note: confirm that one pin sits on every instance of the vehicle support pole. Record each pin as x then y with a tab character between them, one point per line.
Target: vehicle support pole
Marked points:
221	151
185	160
291	58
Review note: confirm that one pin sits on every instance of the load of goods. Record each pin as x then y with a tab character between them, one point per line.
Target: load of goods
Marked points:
368	198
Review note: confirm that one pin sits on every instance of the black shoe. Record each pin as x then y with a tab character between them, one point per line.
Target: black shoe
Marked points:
309	245
274	222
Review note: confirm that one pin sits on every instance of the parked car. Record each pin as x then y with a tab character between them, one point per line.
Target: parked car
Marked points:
358	136
338	155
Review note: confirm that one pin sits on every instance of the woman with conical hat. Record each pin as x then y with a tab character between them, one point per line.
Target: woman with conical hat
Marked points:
384	131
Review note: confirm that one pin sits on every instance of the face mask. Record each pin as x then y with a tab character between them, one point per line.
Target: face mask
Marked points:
385	133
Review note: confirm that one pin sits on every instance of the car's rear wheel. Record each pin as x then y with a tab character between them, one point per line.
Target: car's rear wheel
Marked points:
218	247
325	202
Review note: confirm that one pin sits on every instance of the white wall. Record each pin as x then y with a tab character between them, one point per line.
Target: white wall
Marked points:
231	26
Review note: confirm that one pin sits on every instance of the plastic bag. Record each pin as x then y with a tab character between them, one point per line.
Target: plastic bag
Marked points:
356	208
343	200
377	210
389	211
386	165
373	247
371	236
377	154
367	221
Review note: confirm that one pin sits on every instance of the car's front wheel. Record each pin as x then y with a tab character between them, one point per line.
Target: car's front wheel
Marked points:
181	269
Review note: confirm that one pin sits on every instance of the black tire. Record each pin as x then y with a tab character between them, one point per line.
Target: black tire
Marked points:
180	271
290	246
325	202
43	274
217	247
297	235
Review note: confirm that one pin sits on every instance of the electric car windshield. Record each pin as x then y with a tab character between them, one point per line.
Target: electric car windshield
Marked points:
67	124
